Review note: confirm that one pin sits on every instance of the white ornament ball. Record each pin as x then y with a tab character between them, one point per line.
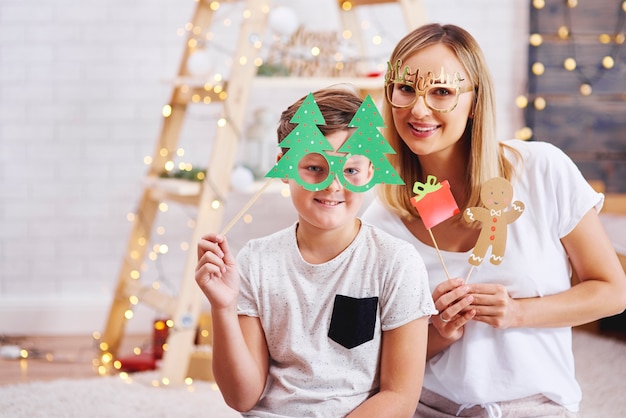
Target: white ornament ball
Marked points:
283	21
241	179
199	63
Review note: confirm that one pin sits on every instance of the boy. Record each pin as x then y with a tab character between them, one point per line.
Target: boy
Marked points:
328	317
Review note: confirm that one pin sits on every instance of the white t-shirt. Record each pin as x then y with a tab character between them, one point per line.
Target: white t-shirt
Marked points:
490	365
323	322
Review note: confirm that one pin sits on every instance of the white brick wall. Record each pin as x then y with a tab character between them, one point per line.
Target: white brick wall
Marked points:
81	91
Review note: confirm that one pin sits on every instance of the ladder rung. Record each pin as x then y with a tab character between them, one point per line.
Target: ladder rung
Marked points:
152	297
186	192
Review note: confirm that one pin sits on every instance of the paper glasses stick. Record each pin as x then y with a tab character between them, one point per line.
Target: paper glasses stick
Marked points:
245	207
434	203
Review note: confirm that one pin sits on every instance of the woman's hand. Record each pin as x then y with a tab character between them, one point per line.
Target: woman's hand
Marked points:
453	301
494	306
216	272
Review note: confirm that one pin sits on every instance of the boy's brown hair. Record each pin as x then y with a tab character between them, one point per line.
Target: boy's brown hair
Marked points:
338	105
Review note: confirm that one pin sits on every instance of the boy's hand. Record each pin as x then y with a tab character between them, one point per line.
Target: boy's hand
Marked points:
216	272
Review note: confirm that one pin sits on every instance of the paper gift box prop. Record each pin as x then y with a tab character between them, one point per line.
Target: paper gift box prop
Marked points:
434	201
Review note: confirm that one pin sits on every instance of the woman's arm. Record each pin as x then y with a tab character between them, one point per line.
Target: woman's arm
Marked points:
402	365
600	293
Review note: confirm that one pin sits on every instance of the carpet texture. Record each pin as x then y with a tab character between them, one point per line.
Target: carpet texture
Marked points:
600	362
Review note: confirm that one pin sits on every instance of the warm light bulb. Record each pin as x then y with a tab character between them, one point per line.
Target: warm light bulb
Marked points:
585	89
536	39
538	68
569	64
539	4
539	103
524	133
166	111
521	102
563	32
608	62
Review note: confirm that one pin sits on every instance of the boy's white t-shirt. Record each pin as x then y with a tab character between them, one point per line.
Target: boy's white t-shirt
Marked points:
490	365
312	373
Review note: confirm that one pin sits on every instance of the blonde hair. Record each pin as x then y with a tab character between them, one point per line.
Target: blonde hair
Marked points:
485	155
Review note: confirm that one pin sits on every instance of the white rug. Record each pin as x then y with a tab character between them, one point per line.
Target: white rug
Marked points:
601	370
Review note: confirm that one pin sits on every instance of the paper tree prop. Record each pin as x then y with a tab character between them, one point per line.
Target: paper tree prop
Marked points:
368	141
434	203
307	138
496	194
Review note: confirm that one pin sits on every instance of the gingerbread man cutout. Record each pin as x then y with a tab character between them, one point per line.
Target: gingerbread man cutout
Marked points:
496	194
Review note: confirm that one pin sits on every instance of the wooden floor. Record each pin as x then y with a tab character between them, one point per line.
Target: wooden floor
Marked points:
55	357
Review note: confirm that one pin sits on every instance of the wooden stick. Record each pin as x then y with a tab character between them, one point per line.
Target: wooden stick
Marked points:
469	273
439	253
246	207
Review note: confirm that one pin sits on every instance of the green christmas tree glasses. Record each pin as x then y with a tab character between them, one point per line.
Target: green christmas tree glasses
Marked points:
362	164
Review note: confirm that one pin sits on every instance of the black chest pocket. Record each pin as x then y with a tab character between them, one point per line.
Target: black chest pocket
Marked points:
353	320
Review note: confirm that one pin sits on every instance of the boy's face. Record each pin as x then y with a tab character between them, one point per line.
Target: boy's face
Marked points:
333	206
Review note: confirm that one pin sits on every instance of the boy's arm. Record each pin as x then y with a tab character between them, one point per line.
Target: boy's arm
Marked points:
402	366
240	358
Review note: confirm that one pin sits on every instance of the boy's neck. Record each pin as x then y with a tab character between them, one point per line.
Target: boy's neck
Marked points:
318	246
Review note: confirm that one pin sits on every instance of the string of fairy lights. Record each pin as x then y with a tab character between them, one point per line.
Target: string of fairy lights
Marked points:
588	75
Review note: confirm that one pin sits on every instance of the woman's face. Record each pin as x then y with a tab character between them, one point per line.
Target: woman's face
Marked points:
425	131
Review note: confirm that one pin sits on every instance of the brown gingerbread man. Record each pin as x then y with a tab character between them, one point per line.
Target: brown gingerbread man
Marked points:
496	194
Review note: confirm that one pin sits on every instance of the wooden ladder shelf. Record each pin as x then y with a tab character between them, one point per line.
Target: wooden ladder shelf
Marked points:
184	308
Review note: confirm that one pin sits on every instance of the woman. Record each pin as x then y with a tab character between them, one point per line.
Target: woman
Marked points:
501	344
